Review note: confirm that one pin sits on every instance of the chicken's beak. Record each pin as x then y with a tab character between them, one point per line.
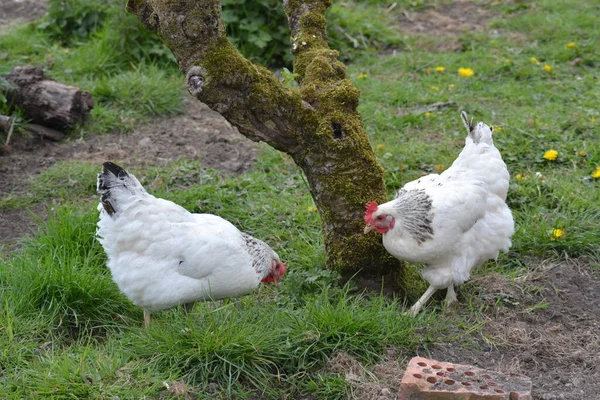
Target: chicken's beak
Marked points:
368	228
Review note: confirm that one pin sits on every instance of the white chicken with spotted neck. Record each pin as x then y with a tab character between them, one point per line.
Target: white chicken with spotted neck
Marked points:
161	255
452	222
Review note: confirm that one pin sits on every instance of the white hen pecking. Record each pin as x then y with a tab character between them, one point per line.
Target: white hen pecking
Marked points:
160	255
450	222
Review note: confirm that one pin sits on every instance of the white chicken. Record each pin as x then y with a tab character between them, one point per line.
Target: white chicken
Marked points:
160	255
450	222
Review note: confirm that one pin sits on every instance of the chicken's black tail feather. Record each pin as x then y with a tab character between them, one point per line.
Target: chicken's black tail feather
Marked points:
111	182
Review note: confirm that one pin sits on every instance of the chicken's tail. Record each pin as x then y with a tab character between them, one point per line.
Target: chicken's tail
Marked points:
480	133
117	187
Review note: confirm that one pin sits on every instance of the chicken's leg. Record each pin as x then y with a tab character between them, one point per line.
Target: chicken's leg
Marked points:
414	310
146	318
450	295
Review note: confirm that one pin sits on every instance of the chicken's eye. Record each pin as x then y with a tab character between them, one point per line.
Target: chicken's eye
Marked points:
380	217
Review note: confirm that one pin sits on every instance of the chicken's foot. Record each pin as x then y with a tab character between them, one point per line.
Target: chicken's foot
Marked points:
450	295
146	318
414	310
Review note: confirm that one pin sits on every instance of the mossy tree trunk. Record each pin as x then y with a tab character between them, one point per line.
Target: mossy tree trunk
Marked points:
318	125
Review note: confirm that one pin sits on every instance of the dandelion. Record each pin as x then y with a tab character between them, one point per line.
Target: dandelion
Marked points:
428	114
582	153
571	45
557	234
380	146
596	173
440	69
592	120
434	88
551	155
362	76
465	72
312	209
534	60
497	128
547	68
439	168
520	177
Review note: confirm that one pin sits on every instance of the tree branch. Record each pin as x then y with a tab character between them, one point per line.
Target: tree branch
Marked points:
247	95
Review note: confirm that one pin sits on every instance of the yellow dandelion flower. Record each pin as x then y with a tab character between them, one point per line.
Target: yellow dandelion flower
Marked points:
596	173
547	68
571	45
434	88
439	168
592	120
380	146
362	76
534	60
465	72
440	69
520	177
582	153
557	234
497	128
551	155
312	209
428	114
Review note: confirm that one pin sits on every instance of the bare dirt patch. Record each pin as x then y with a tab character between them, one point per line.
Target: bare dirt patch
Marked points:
198	134
545	325
15	11
448	21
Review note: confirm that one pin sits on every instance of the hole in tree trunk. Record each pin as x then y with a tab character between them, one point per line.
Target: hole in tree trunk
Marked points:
338	133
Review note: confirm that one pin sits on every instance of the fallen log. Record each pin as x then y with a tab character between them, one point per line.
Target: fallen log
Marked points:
45	101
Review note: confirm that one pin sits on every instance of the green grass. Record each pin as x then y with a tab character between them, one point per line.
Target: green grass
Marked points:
66	331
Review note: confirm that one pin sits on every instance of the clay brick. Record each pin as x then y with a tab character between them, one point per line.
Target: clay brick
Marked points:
426	379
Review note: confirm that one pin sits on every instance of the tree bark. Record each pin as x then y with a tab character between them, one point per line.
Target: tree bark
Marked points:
47	102
318	125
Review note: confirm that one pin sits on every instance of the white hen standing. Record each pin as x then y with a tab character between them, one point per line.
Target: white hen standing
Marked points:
160	255
450	222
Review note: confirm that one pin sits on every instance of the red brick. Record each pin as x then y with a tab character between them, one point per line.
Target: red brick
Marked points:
426	379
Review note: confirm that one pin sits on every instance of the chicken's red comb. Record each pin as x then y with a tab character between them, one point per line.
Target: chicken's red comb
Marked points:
371	208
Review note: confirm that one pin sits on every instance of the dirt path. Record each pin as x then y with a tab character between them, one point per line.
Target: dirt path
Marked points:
15	11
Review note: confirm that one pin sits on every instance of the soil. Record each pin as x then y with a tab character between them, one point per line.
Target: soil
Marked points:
545	325
449	20
15	11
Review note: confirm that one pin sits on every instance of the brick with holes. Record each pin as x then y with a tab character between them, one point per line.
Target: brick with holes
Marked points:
426	379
